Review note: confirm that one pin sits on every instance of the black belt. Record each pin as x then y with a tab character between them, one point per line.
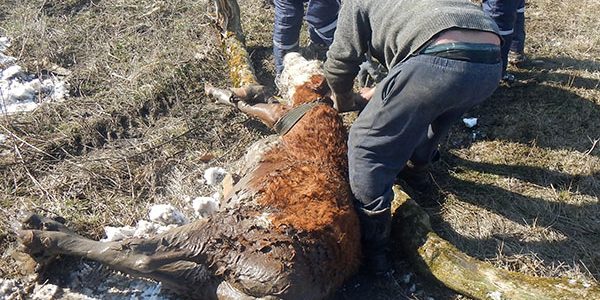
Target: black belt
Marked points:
475	53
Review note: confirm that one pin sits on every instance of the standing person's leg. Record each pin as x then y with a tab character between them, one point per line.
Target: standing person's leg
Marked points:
517	47
286	30
321	16
393	127
504	13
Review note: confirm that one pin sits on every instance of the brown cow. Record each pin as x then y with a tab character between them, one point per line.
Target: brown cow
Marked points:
287	229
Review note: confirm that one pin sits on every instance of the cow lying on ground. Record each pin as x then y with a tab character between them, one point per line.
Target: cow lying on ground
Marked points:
287	229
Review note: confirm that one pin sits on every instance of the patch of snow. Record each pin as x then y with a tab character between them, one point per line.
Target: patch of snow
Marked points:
46	291
263	220
89	282
217	196
146	229
162	217
2	138
21	92
114	234
166	214
470	122
4	43
8	287
497	295
214	175
205	206
11	72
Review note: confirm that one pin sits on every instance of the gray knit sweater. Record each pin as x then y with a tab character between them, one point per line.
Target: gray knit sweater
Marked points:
393	30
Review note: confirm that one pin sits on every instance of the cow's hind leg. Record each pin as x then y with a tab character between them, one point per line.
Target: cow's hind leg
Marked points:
45	238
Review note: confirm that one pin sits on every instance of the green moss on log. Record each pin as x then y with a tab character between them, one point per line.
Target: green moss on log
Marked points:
434	256
240	67
241	71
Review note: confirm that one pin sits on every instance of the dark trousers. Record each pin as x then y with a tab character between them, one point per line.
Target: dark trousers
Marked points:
412	109
321	16
504	13
518	42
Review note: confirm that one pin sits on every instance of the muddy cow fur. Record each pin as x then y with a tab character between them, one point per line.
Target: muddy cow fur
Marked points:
286	229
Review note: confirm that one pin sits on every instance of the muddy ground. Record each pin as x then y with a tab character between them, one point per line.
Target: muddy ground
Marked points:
520	190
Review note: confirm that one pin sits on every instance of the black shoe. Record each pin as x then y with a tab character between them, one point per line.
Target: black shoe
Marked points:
315	51
516	58
375	235
378	264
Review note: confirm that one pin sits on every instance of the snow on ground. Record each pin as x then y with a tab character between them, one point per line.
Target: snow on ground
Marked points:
90	282
20	91
93	281
214	175
163	217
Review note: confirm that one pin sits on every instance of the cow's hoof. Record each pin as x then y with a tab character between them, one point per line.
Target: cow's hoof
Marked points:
37	222
222	96
36	244
38	236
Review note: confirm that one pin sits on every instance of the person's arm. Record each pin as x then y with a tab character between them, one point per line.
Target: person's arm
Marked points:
347	53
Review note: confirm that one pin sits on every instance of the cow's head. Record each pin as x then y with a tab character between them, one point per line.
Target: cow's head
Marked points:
302	80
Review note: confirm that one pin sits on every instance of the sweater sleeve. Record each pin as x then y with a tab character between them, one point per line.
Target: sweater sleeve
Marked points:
350	43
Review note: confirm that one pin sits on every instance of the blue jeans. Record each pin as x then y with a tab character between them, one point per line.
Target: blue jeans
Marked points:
504	13
321	16
518	42
411	110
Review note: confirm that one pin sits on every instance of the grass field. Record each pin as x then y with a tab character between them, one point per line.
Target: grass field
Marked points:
520	190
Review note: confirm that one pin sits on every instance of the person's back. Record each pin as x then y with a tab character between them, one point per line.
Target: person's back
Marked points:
395	29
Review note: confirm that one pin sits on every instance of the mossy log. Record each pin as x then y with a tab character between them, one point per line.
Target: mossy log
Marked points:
241	71
434	256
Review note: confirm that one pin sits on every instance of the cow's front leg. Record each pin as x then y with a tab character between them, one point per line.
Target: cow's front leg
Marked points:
267	113
250	100
230	96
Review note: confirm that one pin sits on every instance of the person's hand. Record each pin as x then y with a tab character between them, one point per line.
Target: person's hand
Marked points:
367	92
350	101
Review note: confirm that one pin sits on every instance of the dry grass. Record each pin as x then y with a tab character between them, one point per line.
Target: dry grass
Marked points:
138	130
524	194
